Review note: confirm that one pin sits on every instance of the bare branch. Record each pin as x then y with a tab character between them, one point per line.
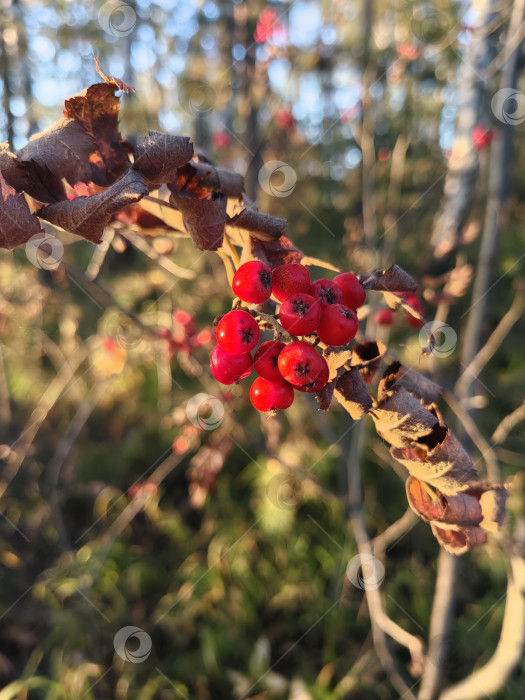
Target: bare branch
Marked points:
506	425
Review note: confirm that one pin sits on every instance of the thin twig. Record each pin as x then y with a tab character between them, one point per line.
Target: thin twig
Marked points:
506	425
393	532
161	260
490	678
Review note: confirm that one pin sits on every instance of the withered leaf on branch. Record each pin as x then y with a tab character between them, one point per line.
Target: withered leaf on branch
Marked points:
204	219
119	84
324	397
397	375
335	359
395	279
201	179
400	418
263	226
274	253
458	539
430	504
88	216
68	151
159	155
96	110
367	357
31	177
17	224
352	393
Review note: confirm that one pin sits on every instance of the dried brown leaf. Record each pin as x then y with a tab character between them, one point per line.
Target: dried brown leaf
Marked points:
367	357
400	418
17	224
88	216
274	253
201	179
262	226
352	393
397	375
395	279
204	219
159	155
456	539
324	397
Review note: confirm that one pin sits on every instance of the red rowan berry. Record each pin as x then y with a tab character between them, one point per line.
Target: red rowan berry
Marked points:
326	292
265	360
320	382
253	282
271	396
338	325
299	363
354	294
289	279
300	314
238	332
228	368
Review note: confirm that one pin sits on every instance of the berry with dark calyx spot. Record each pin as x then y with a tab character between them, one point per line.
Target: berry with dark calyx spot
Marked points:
327	292
265	360
319	383
384	317
300	314
354	294
228	368
289	279
338	325
238	332
299	363
271	396
253	282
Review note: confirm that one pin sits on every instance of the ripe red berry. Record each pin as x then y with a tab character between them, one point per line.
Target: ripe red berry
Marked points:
320	382
265	360
270	396
338	325
238	332
289	279
253	282
384	317
299	363
228	368
481	137
326	292
354	294
300	314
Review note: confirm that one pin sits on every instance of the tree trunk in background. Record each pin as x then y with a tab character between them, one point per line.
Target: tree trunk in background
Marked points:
464	166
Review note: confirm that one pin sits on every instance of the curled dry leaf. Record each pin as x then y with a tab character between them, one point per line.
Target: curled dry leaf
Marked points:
159	155
400	418
431	504
324	397
352	393
88	216
367	357
201	179
68	151
262	226
204	219
274	253
395	279
397	375
17	224
458	539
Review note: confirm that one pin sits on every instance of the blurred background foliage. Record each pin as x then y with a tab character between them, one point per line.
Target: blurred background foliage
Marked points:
229	547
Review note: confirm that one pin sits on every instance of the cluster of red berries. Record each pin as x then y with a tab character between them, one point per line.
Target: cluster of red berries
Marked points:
385	317
184	335
319	312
